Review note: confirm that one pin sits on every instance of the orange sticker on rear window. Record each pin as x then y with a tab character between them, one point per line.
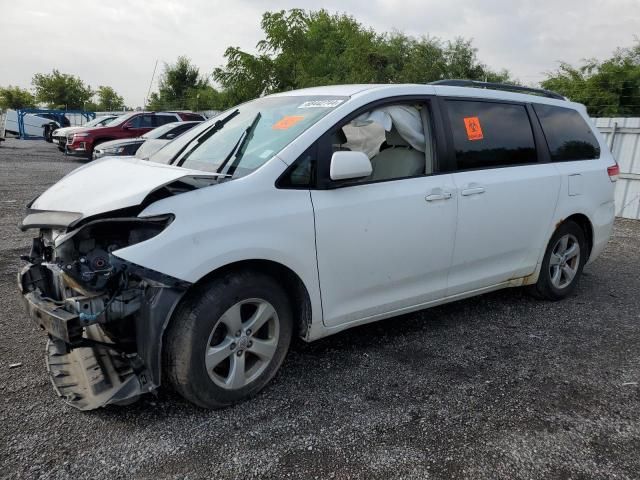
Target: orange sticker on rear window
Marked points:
287	122
474	130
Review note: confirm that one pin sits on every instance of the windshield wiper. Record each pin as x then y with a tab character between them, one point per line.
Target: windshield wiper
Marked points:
204	136
238	149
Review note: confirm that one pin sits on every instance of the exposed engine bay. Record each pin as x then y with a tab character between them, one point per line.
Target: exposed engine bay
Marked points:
99	309
104	316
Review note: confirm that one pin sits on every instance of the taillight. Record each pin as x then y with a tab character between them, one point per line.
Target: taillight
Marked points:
613	171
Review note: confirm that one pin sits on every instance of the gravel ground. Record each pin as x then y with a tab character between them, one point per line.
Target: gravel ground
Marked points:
499	386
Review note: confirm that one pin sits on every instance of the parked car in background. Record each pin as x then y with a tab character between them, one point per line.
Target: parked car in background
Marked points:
306	213
131	125
35	124
149	143
3	116
55	123
59	136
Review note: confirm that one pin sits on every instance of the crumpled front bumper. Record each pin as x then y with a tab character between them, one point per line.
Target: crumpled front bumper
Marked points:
93	376
88	367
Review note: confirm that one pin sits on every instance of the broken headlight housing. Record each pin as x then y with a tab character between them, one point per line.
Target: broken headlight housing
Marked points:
84	255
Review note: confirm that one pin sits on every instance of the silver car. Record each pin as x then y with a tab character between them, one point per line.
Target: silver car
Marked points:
145	145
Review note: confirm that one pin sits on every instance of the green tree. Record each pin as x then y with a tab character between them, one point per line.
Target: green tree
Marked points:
304	49
61	90
176	85
206	98
108	99
607	88
16	97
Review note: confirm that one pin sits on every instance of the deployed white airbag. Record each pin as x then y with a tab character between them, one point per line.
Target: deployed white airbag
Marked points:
405	118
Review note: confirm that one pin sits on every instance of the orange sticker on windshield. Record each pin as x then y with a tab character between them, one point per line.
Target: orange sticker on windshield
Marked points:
287	122
474	130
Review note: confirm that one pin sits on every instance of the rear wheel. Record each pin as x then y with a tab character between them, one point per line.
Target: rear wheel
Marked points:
563	262
228	339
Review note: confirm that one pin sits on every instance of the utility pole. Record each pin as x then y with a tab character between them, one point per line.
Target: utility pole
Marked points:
144	105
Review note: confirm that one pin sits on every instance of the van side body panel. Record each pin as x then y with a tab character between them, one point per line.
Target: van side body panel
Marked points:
246	219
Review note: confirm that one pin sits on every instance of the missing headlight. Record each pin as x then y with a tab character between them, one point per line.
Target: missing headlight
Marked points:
85	255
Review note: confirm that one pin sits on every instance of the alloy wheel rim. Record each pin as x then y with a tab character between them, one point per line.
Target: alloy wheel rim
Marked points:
564	261
242	343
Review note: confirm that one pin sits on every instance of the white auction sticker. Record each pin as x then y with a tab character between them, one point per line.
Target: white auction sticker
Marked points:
321	104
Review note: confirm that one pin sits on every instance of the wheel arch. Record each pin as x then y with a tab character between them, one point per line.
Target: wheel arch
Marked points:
585	224
293	285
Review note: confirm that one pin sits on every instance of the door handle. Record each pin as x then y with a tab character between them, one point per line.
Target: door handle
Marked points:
438	196
472	191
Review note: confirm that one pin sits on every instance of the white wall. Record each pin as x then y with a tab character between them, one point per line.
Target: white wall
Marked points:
625	146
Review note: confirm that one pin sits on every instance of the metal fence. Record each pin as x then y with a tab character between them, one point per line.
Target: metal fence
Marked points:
623	137
3	120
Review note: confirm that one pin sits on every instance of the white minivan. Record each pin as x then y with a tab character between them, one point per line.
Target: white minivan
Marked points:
305	213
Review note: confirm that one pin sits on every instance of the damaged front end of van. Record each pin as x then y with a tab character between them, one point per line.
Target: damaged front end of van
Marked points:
104	316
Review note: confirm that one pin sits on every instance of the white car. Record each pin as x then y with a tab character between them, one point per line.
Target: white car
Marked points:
306	213
145	145
34	123
59	136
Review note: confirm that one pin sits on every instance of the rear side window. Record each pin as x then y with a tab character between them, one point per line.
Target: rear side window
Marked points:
135	122
487	134
568	135
164	119
142	121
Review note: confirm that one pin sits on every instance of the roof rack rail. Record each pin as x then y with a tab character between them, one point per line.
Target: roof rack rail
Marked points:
499	86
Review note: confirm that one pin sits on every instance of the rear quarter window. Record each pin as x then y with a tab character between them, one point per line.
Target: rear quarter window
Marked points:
488	134
164	119
192	116
568	135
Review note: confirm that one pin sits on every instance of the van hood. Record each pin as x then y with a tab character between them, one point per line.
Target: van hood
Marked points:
108	184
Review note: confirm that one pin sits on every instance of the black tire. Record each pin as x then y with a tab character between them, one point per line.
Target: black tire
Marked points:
188	337
545	288
95	144
48	131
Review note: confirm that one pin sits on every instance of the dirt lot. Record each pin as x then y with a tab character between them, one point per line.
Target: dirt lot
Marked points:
500	386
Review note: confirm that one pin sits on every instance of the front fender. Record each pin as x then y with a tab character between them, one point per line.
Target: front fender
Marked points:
238	220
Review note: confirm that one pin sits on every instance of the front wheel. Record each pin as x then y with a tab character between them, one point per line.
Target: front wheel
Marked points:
563	262
48	133
228	339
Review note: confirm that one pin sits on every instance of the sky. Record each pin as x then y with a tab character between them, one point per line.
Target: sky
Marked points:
117	43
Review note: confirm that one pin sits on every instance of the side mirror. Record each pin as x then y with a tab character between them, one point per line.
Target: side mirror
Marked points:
349	165
127	126
170	136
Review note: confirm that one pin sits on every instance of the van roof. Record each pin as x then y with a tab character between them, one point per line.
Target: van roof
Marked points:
351	90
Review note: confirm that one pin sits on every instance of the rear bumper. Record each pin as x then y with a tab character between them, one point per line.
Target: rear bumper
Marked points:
602	223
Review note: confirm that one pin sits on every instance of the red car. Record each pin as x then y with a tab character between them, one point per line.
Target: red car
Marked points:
130	125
